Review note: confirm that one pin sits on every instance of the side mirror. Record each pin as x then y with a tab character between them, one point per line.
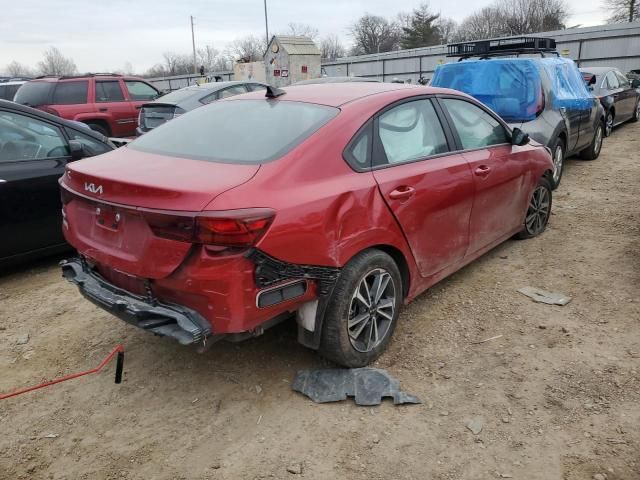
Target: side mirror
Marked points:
76	149
635	83
518	137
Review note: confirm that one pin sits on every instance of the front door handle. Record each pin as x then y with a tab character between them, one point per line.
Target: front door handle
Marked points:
103	109
482	171
2	180
402	193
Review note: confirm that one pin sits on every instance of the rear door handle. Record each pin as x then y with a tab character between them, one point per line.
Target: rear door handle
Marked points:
482	171
2	180
402	193
103	109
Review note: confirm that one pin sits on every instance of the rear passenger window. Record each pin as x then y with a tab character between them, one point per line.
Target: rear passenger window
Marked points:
254	87
612	81
410	131
109	92
475	127
231	91
69	93
25	138
358	152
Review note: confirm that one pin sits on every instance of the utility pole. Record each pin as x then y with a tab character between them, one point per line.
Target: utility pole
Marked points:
193	43
266	22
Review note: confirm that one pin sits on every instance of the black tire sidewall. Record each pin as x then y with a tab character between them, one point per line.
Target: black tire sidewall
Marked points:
335	344
524	233
558	141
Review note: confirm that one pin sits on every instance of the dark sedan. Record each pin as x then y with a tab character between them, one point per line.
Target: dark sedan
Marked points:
619	96
174	104
35	147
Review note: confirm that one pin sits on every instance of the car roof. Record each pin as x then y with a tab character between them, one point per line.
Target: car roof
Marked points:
218	85
102	76
9	105
336	94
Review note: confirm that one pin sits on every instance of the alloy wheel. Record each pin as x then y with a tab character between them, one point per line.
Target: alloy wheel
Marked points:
539	210
558	159
597	144
609	124
638	110
372	310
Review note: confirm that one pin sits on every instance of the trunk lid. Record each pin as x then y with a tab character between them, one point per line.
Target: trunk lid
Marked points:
129	177
113	205
154	114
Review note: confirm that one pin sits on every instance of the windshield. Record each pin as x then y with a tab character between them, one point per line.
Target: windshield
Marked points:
237	131
511	88
34	93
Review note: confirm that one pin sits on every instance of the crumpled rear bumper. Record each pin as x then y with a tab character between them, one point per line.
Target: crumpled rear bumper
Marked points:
176	321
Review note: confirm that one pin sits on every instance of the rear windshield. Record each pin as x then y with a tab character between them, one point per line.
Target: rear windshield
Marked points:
34	93
511	88
237	131
179	95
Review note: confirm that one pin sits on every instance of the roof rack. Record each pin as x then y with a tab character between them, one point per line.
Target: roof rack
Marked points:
66	77
502	47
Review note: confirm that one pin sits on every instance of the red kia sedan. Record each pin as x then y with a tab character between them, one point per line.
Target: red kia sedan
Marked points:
335	203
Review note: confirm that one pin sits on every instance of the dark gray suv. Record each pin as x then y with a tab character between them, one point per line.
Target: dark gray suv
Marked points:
545	97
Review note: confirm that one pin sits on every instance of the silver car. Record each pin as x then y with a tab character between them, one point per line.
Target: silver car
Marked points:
174	104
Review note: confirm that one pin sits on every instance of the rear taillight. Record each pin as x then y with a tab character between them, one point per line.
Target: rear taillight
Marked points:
540	102
231	228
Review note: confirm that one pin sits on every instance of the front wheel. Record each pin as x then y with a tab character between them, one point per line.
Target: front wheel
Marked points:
538	212
593	150
363	310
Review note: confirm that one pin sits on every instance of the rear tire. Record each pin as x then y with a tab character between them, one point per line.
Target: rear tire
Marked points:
538	211
363	310
636	113
557	153
98	127
608	123
593	150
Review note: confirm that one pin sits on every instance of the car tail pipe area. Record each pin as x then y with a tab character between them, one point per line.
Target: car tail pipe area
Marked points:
181	323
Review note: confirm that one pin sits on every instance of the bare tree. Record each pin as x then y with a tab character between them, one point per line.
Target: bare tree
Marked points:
248	49
54	63
331	48
447	28
372	34
212	59
513	17
302	30
16	69
621	11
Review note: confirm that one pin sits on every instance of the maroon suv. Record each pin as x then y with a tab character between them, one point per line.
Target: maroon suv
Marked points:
108	103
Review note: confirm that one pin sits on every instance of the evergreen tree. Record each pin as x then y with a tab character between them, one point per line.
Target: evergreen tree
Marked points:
421	29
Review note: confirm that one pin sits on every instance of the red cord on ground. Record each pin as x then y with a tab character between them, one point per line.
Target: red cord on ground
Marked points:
118	350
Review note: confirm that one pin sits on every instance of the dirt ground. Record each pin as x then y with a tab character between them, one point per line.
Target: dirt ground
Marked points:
557	394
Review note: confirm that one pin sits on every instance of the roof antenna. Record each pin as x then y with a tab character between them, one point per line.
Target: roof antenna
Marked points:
273	92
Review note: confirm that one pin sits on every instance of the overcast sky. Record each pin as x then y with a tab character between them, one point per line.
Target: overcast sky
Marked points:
104	35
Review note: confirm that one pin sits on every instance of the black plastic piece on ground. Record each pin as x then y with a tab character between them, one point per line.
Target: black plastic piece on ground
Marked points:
368	386
119	367
270	271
